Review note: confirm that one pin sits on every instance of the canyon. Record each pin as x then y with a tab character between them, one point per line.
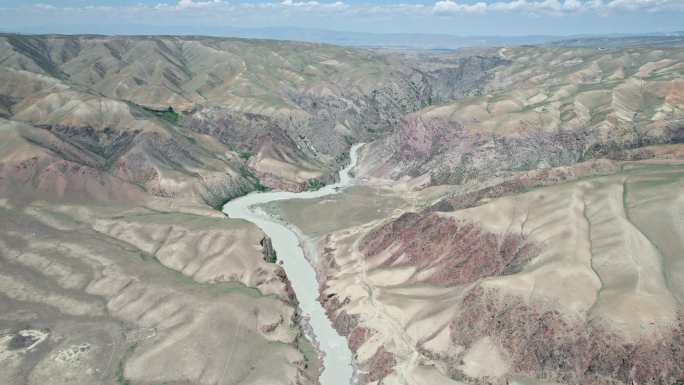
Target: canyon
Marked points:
514	216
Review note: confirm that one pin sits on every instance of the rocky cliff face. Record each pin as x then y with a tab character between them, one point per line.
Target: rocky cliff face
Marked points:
559	108
274	114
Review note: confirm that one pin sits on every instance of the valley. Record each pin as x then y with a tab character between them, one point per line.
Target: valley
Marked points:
211	211
414	289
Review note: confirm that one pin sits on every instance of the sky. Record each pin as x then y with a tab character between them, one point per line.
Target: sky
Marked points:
452	17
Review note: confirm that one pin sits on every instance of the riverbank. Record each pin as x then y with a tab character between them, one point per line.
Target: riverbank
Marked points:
337	357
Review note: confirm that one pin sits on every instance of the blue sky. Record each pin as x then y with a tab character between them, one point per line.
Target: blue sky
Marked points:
462	17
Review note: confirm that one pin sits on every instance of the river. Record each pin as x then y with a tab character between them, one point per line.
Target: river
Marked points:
338	357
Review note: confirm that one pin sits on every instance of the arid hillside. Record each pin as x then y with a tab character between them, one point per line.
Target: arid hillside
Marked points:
573	283
517	217
114	294
548	108
115	153
212	118
529	235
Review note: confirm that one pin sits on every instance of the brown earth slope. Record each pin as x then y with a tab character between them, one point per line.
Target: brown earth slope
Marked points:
288	110
532	234
114	267
549	108
573	283
520	221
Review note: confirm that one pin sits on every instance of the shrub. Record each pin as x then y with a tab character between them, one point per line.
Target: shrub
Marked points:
314	184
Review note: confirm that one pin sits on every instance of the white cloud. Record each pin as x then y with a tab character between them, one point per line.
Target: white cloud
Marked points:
449	6
445	7
187	4
197	4
45	6
290	3
545	6
305	5
439	8
313	5
645	4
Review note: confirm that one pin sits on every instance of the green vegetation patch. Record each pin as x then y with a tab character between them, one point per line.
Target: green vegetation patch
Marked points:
168	114
218	206
650	104
120	379
308	351
271	258
261	188
247	173
314	184
655	181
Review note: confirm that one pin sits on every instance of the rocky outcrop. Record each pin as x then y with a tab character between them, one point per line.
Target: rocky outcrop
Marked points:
269	252
379	366
445	251
525	181
535	116
449	154
544	343
462	76
71	163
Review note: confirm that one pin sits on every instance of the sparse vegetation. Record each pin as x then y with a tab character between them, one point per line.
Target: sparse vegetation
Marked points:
120	378
168	114
270	255
310	354
219	206
247	173
261	188
314	184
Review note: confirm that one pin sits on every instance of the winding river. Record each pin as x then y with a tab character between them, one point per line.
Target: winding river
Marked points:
338	357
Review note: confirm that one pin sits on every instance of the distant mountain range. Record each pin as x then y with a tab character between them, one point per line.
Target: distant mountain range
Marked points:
675	39
410	41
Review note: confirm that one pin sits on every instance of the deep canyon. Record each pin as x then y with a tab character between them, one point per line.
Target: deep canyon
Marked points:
515	215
